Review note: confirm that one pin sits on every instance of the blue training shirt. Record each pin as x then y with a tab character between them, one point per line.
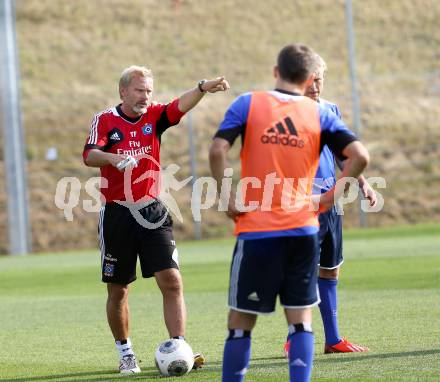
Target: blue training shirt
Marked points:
334	134
326	175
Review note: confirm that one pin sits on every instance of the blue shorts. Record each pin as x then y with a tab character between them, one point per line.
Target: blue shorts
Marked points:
330	239
263	269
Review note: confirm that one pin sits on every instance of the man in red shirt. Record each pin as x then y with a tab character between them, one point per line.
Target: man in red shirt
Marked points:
124	142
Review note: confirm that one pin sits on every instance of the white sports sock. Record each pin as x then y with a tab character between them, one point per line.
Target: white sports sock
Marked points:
124	348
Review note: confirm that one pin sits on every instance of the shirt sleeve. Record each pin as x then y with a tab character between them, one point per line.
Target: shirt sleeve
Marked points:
337	111
97	138
169	116
234	122
334	133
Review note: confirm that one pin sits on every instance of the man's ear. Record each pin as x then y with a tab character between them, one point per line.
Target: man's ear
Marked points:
276	72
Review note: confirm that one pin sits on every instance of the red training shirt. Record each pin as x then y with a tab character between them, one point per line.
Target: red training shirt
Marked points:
114	132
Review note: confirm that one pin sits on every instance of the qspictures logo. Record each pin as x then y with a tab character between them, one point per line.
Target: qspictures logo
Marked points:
283	133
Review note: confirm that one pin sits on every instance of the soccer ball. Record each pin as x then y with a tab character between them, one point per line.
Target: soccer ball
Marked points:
174	357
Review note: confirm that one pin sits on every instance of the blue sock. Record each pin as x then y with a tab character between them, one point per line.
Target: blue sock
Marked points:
329	309
236	355
301	356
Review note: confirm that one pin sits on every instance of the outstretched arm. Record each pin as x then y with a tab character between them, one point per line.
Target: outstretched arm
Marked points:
191	98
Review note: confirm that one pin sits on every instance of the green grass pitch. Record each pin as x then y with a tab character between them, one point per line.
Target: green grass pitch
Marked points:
53	325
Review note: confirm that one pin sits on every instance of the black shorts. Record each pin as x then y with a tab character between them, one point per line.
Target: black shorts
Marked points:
122	239
262	269
330	239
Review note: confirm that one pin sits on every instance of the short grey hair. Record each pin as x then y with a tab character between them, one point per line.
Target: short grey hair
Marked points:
321	66
128	74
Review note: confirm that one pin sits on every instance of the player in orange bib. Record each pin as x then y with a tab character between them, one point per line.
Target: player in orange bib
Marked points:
277	249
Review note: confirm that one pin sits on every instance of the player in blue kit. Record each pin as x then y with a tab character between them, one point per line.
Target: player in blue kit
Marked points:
330	232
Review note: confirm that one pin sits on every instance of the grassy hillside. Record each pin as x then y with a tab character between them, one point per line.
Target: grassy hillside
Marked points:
72	53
